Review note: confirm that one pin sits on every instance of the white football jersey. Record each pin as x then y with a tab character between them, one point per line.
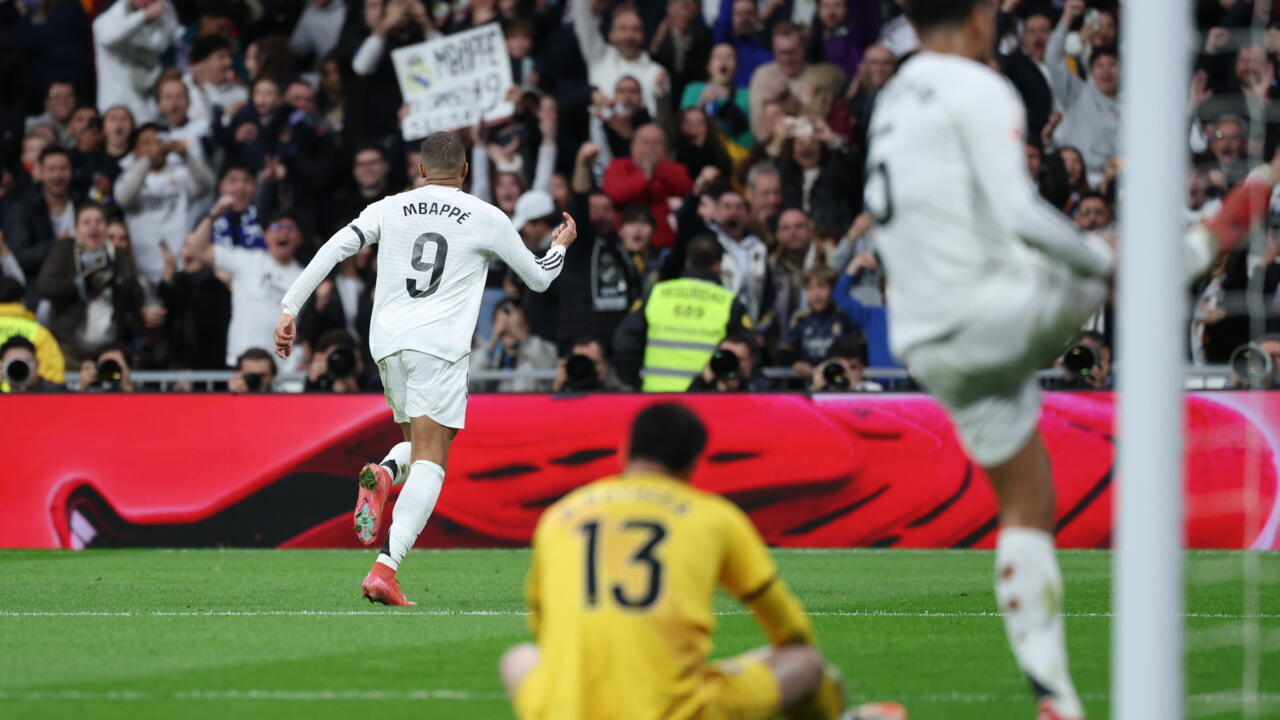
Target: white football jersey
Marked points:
434	247
958	215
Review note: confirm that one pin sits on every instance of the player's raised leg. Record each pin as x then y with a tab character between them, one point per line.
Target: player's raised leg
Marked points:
431	442
1028	581
374	487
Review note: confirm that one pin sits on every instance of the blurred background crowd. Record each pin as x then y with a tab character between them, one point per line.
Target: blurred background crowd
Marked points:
167	167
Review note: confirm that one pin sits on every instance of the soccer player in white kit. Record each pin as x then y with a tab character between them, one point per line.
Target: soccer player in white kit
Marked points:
434	248
987	285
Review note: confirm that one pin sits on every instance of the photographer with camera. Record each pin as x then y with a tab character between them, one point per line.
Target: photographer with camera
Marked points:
586	370
513	347
17	320
20	368
1256	365
732	368
108	372
255	372
1086	365
336	365
844	369
93	289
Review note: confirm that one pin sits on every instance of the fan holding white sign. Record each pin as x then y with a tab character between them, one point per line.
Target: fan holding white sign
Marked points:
454	81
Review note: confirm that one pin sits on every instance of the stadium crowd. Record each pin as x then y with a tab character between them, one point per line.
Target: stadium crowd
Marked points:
167	167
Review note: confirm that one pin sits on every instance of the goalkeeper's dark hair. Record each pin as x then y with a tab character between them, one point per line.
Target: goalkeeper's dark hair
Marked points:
443	155
668	434
928	15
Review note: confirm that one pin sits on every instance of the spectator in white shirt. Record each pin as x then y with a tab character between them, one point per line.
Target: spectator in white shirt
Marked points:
174	101
259	281
211	80
128	39
317	31
155	190
622	55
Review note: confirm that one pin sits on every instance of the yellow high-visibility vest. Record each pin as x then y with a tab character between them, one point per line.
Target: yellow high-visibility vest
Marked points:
687	320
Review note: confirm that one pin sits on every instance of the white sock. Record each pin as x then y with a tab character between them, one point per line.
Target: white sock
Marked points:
413	508
1029	591
397	461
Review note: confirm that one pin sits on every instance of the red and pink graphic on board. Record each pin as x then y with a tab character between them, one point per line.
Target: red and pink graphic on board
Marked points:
835	471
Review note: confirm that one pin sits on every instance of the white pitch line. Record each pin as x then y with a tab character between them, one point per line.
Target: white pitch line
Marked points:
286	695
1225	699
518	613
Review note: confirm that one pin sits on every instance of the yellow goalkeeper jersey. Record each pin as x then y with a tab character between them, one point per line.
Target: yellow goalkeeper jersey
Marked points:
620	588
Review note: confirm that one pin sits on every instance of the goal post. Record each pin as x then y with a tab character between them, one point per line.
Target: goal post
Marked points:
1147	635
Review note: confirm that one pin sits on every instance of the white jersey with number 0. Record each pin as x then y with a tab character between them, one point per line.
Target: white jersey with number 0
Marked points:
959	218
434	247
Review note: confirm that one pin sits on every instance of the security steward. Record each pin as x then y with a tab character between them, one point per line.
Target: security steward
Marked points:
669	336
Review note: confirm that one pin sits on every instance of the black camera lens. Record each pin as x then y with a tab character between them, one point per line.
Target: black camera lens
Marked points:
725	365
342	363
253	381
835	377
1251	366
17	371
581	372
110	375
1080	360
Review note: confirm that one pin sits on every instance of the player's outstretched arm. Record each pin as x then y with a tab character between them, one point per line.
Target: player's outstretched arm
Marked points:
536	272
991	119
343	244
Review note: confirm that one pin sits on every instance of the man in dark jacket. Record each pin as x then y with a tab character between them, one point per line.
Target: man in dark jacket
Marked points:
45	213
1024	68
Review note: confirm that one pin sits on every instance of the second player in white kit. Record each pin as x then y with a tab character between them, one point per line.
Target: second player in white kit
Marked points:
986	284
434	246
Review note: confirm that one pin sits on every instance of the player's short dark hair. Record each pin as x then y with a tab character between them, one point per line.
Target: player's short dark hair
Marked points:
443	154
926	15
637	214
254	353
668	434
704	253
207	45
17	341
852	345
52	150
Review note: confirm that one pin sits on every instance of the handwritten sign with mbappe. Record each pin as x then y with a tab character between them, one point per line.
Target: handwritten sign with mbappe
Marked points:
453	81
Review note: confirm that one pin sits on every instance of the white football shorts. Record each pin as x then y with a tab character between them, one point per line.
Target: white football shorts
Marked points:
984	373
417	384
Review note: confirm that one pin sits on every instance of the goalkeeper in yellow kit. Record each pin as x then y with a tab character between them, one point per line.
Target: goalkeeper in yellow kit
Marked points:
620	590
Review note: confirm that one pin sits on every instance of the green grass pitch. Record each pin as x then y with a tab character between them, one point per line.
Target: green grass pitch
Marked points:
284	634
